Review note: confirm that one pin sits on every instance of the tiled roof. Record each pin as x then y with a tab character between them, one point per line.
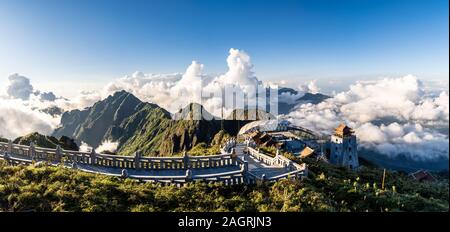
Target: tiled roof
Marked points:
306	152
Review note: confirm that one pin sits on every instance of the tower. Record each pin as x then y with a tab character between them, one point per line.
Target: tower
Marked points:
343	147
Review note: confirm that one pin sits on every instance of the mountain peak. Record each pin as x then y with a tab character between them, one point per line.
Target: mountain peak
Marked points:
314	98
120	94
193	111
250	114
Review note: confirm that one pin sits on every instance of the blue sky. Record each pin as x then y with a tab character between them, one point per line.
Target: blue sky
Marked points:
57	43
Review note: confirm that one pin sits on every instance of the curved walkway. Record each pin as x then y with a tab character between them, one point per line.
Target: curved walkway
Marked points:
240	167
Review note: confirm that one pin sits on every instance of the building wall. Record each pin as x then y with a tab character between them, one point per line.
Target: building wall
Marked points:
344	151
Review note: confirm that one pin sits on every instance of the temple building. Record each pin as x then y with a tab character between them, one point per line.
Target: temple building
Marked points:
343	147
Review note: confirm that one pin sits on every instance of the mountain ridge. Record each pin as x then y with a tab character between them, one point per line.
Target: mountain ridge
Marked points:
140	126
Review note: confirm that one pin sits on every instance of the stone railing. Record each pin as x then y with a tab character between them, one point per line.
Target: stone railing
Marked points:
125	162
19	154
227	178
228	146
295	170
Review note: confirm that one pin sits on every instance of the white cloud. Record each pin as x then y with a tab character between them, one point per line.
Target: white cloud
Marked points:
310	87
84	147
392	115
107	145
47	96
23	108
19	87
18	119
175	91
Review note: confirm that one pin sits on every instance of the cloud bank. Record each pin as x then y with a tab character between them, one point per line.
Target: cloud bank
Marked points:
19	87
175	91
25	110
107	146
392	115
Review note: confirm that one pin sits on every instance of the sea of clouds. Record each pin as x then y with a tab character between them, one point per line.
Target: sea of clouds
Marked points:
400	115
392	115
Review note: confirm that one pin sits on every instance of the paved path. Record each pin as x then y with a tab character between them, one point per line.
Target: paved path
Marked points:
141	172
257	167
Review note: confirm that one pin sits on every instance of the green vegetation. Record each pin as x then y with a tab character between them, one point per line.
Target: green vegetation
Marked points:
272	151
139	126
202	149
250	114
47	141
328	188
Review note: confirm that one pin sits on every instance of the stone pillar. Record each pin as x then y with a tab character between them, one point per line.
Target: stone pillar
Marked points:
188	175
233	156
245	166
305	170
137	160
186	160
74	164
124	173
31	150
93	157
10	146
58	153
263	177
6	157
289	165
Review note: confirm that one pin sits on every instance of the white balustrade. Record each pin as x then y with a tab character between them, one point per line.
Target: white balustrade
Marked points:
25	154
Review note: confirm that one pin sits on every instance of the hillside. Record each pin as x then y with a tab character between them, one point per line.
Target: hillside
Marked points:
45	141
165	137
108	119
250	114
313	98
139	126
193	111
327	189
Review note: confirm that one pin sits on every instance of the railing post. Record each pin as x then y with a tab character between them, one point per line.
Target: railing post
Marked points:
74	164
233	156
186	160
188	175
245	166
10	146
289	165
58	153
305	170
137	160
93	157
31	150
6	157
124	173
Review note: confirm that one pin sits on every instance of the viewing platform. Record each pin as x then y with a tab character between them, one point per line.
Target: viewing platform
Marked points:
238	164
